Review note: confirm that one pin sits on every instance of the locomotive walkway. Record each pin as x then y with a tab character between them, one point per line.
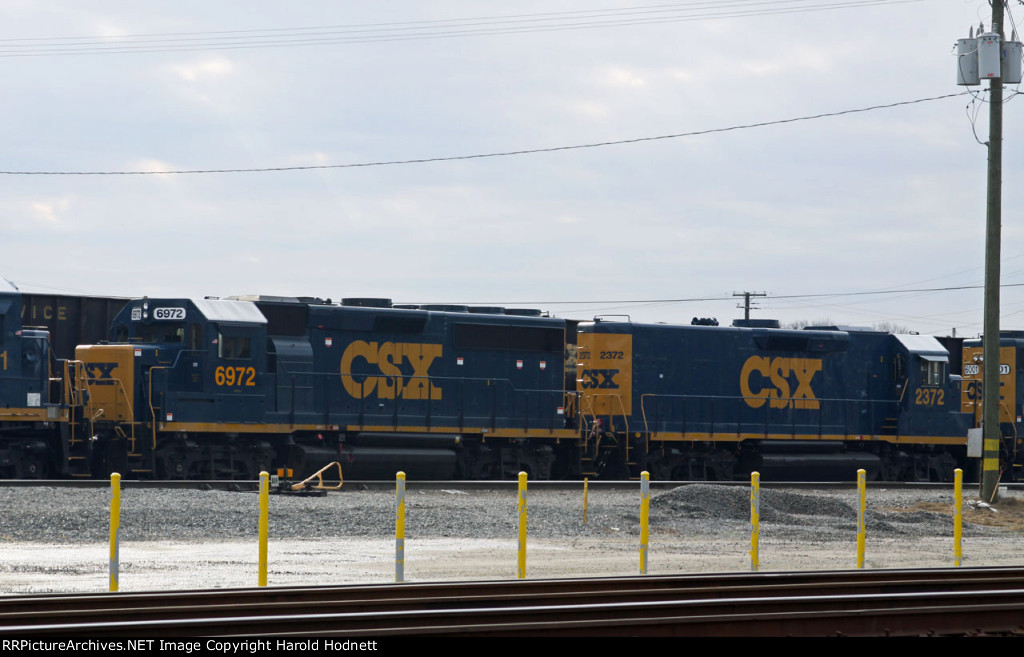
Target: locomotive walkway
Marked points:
959	601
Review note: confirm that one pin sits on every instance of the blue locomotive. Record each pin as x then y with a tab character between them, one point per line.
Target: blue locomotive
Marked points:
33	418
224	388
709	402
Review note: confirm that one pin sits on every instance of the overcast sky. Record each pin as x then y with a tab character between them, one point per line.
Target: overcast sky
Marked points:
886	199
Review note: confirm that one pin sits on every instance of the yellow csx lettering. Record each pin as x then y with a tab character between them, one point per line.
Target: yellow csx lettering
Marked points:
101	374
777	371
388	358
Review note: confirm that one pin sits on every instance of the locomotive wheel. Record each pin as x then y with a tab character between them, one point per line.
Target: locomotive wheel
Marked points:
172	466
244	469
32	467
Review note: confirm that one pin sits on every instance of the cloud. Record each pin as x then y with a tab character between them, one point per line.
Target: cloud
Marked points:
622	77
310	159
210	83
205	71
49	213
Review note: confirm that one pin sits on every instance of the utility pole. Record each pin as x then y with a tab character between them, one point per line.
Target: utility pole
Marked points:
746	301
989	56
991	432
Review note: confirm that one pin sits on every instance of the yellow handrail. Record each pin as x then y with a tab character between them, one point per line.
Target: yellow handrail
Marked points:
584	412
152	409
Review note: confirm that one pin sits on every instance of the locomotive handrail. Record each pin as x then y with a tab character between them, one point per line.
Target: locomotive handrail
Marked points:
152	409
588	401
72	393
570	402
432	377
1009	415
743	398
546	418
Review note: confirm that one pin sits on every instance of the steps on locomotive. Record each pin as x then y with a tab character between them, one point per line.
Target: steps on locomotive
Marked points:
136	463
79	466
79	458
890	426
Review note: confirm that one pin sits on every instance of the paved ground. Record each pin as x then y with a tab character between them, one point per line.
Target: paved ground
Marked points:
691	532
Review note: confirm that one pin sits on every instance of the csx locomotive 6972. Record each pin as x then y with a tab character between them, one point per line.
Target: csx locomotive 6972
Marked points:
224	388
220	388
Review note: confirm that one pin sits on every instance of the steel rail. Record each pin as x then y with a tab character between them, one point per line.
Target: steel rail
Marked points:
868	615
681	584
848	602
253	485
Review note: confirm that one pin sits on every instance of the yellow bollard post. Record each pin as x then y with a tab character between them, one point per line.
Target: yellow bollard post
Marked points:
755	520
400	527
115	528
861	522
585	481
958	516
264	523
645	504
521	570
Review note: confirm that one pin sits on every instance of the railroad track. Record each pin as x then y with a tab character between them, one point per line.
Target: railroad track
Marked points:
253	485
854	603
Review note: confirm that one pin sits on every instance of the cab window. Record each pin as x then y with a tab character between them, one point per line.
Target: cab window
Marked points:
230	347
931	372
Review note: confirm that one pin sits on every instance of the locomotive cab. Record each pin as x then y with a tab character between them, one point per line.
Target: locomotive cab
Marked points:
29	405
176	366
207	359
24	355
923	382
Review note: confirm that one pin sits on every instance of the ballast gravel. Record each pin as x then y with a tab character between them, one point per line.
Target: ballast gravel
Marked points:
56	539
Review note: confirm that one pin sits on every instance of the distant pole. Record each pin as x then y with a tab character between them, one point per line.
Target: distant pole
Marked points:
991	433
746	301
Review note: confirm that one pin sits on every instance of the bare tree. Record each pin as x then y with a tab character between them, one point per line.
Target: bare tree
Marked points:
890	327
801	323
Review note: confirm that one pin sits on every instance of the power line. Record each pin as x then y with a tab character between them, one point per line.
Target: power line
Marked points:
418	30
479	156
770	297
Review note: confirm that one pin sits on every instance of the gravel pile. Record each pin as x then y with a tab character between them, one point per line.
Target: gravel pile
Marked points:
826	514
65	515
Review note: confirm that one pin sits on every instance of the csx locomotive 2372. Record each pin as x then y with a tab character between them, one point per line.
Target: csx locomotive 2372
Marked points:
706	402
224	388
